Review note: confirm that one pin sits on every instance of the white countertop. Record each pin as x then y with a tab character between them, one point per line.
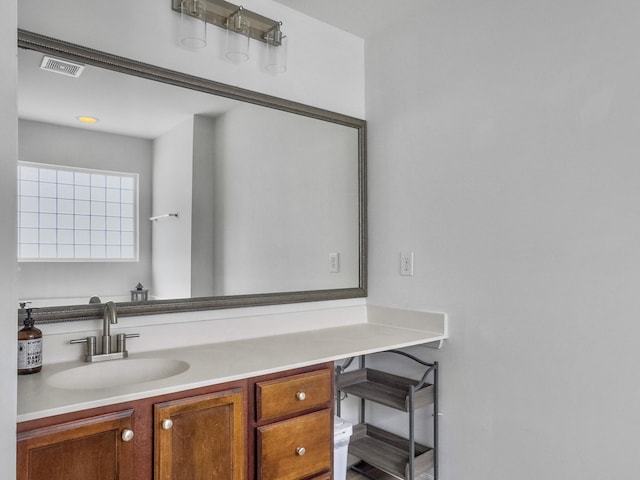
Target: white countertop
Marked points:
219	363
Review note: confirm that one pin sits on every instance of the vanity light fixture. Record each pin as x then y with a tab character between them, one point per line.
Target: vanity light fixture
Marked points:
237	48
276	59
193	26
241	26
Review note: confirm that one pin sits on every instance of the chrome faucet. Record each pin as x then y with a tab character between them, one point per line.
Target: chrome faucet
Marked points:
110	317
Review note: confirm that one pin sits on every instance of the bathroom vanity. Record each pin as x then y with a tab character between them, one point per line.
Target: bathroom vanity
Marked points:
278	426
255	408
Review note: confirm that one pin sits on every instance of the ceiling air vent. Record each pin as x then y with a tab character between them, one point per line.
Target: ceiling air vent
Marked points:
64	67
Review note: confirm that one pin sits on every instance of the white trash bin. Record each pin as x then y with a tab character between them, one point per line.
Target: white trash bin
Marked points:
342	431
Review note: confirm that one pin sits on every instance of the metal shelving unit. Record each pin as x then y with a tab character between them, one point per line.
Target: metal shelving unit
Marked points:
401	457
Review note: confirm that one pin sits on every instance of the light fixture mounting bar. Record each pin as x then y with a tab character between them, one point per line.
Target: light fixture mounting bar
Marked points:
218	11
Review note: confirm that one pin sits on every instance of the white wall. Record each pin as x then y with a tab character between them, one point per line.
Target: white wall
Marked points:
8	298
55	144
307	206
203	272
171	236
504	152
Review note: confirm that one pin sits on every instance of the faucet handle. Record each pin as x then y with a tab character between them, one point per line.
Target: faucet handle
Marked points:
121	341
91	344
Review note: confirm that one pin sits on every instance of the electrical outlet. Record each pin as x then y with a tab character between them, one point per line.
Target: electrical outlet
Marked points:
406	264
334	262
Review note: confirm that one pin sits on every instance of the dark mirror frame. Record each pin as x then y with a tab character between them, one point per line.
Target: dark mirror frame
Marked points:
48	45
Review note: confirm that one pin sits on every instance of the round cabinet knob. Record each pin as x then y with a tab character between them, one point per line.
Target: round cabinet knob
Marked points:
301	395
167	424
300	451
127	435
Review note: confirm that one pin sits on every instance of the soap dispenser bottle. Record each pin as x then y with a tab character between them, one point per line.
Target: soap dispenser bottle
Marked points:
29	346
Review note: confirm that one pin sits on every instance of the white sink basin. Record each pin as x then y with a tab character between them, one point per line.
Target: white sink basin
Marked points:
115	373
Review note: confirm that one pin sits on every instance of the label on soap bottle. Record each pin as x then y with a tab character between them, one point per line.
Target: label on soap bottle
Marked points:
29	353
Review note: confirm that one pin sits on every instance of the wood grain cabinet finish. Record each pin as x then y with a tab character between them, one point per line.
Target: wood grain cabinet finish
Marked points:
293	422
323	476
295	448
293	394
201	438
97	448
207	433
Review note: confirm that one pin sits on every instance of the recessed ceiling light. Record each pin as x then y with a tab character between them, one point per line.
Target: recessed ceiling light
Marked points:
85	119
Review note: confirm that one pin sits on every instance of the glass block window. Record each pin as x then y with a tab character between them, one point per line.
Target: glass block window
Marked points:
76	214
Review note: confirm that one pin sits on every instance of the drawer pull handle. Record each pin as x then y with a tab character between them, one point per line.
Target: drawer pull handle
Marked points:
300	451
127	435
301	395
167	424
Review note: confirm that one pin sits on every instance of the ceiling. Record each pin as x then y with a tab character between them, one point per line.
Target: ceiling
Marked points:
360	17
141	108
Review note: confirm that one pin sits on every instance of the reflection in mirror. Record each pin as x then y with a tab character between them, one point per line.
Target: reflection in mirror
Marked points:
252	205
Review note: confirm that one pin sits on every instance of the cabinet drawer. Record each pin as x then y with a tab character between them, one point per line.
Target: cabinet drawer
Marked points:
295	448
293	394
323	476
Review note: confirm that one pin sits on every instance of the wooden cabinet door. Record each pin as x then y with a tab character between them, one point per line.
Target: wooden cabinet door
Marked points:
95	448
201	438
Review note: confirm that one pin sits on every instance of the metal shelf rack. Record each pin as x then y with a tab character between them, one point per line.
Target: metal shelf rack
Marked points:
401	457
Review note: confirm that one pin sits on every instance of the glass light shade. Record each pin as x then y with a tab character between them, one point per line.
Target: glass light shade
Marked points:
276	59
193	25
237	48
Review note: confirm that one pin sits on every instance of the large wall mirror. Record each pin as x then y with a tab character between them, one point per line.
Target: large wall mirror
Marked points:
207	195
